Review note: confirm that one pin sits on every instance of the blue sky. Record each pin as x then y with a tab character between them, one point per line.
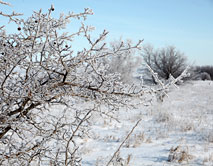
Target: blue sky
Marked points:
186	24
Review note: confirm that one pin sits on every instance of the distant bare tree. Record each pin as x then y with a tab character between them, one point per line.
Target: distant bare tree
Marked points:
124	63
165	62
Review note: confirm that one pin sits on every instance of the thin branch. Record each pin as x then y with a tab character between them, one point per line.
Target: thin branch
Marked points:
123	142
5	3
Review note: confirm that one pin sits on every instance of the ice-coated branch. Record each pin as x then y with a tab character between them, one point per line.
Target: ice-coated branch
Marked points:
127	137
39	70
5	3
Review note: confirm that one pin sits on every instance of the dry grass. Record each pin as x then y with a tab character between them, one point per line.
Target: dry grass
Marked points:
136	140
208	159
179	154
120	161
210	137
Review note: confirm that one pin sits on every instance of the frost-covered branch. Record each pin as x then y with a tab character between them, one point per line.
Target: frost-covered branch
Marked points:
42	77
127	137
5	3
12	16
49	91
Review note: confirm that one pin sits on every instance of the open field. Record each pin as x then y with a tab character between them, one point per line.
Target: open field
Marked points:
178	131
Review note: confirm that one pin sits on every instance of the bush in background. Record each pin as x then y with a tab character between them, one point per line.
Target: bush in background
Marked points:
204	72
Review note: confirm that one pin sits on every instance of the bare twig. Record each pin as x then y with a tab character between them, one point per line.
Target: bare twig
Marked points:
123	142
5	3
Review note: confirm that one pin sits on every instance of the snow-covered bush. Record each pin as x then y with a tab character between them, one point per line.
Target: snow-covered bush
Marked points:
49	91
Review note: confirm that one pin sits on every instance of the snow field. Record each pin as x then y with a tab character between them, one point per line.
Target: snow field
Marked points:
177	131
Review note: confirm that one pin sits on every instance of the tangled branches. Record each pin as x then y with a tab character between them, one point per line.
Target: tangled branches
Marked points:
48	91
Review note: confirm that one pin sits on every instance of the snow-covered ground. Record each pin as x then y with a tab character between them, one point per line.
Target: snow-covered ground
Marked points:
177	131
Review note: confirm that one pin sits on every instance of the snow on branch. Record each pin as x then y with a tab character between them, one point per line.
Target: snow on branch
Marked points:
49	91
